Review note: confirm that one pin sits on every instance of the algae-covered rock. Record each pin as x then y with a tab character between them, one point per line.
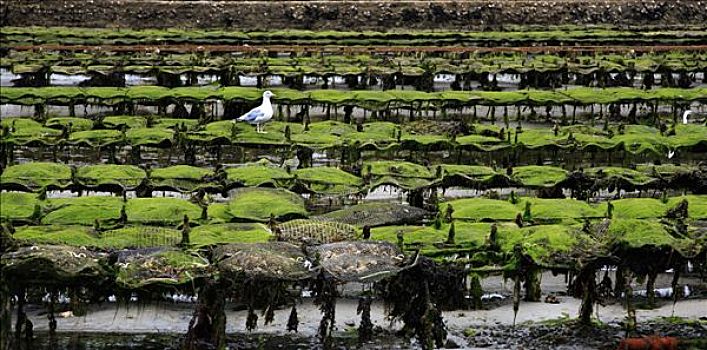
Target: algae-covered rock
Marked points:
275	261
58	263
377	214
365	261
141	269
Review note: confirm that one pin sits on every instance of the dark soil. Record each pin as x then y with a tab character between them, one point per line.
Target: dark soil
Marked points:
569	335
345	15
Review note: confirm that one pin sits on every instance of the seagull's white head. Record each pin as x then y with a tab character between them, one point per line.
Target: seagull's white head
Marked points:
268	94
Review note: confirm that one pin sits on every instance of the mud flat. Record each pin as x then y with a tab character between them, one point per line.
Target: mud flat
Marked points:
540	326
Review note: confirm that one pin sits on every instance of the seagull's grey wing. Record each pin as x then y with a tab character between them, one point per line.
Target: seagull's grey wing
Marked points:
252	115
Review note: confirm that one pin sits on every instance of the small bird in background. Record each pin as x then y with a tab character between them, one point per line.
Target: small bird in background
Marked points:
685	115
259	115
671	154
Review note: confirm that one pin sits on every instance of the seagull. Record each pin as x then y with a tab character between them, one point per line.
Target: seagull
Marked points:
670	154
685	115
259	115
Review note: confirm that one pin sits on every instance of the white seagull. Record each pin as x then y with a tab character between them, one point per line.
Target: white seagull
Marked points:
259	115
685	115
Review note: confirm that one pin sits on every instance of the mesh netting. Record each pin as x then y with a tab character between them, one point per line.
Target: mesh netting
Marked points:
314	231
275	260
366	261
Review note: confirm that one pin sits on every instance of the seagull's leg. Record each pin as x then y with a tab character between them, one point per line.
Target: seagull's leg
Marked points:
263	131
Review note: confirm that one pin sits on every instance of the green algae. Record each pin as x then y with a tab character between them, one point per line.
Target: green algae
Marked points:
75	124
25	131
155	137
697	205
71	235
96	138
539	176
258	204
478	209
475	173
257	174
33	62
82	210
634	233
126	176
85	236
37	175
546	244
17	206
183	178
613	174
218	213
373	100
164	211
396	169
213	234
328	180
636	139
557	209
468	235
116	122
638	208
